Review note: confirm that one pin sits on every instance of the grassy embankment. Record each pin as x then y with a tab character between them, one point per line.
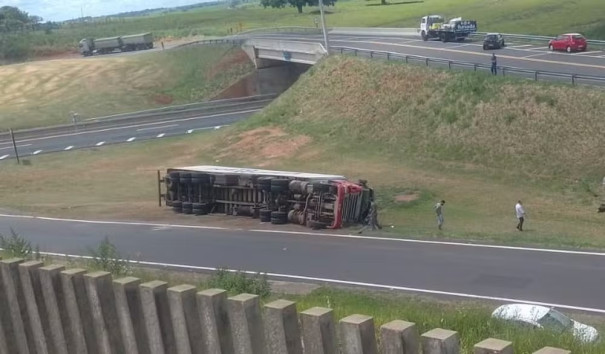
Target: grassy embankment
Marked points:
417	135
547	17
44	93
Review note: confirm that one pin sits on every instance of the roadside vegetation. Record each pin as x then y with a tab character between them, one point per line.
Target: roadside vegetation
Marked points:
418	135
471	319
545	17
46	92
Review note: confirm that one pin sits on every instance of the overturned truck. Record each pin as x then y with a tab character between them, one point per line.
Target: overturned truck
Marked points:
279	197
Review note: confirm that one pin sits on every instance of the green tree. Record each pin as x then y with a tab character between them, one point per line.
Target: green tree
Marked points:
299	4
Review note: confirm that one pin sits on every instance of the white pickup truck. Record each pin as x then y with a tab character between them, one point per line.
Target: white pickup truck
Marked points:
456	29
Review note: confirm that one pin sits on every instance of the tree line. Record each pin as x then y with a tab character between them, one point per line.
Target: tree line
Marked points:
15	24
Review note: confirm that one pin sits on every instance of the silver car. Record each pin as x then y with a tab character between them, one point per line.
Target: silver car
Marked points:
547	318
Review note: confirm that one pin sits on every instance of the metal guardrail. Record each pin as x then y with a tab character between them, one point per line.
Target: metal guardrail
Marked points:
232	41
290	29
535	75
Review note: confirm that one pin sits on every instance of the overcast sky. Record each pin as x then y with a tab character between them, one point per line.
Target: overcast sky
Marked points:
59	10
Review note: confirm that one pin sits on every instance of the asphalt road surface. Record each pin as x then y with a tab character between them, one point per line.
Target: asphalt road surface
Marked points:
129	133
518	55
572	279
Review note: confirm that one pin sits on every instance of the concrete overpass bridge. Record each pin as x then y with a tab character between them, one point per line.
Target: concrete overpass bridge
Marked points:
266	53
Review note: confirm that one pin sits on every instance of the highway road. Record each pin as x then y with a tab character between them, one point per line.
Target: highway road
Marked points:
131	130
518	55
567	279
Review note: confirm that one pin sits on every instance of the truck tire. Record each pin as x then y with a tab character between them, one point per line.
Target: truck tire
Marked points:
187	208
424	36
279	218
265	215
177	206
199	208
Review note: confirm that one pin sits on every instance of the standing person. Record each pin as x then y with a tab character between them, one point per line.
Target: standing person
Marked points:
520	215
494	64
372	218
439	211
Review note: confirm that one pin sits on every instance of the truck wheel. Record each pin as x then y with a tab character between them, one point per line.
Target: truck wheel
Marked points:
424	36
279	218
265	215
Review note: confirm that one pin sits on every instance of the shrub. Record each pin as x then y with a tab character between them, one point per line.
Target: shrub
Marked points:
106	257
240	282
15	246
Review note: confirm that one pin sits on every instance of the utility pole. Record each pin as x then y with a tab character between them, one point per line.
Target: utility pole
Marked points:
323	26
15	146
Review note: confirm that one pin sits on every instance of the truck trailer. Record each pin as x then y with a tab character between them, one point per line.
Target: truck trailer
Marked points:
90	46
314	200
456	29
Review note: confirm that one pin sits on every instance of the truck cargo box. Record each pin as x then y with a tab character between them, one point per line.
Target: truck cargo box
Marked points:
109	42
137	38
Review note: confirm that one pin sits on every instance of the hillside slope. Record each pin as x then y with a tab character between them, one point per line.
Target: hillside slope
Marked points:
45	92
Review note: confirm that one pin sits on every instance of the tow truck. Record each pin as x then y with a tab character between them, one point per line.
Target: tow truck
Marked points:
456	29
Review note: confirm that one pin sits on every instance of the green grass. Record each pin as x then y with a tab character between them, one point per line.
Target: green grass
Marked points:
546	17
44	93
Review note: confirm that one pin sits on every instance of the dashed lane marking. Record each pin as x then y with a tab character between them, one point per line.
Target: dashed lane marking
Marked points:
100	143
69	148
161	135
131	139
161	127
3	157
36	152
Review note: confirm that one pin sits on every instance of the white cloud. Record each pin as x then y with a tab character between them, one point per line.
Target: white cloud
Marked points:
58	10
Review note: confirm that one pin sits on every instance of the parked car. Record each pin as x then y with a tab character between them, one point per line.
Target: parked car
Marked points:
546	318
569	42
493	41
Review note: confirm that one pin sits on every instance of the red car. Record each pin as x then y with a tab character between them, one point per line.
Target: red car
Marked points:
569	42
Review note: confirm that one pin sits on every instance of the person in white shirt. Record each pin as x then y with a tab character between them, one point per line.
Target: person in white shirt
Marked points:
520	215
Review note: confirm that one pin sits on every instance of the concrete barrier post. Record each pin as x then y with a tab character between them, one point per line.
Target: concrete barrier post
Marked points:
58	320
16	306
358	336
36	309
130	315
80	335
440	341
156	313
551	350
319	333
281	328
246	324
185	319
103	310
493	346
216	330
399	337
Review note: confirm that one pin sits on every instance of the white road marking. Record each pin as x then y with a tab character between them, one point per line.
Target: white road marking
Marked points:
100	143
218	127
520	46
36	152
161	135
144	124
162	127
69	148
131	139
12	147
354	283
587	52
3	157
303	233
207	128
189	131
537	55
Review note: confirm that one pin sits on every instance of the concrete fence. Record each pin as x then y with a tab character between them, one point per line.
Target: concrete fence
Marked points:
48	309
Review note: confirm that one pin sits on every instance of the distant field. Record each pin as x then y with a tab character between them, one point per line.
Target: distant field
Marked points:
546	17
45	92
481	143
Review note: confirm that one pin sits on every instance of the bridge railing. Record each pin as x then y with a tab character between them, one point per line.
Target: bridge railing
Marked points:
536	75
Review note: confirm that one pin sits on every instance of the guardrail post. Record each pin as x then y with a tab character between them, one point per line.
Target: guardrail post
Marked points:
449	64
406	59
573	79
388	56
371	54
342	50
504	71
535	76
475	67
427	61
355	52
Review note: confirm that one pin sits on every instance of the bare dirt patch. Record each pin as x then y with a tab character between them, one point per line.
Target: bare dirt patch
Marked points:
264	145
406	197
